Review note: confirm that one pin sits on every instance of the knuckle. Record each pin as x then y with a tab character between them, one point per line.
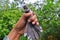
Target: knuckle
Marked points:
35	16
36	20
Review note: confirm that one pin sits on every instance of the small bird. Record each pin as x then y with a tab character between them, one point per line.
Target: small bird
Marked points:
31	31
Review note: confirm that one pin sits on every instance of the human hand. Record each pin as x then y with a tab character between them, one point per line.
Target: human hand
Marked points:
20	25
19	28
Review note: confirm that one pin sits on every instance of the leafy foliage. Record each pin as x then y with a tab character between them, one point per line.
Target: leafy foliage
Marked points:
7	19
48	16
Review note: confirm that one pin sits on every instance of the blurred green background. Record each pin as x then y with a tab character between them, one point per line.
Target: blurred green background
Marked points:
48	16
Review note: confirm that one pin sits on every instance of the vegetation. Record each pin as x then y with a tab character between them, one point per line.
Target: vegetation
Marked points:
48	16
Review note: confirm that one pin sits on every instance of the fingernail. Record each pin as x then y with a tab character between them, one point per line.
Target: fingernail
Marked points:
33	22
37	23
28	20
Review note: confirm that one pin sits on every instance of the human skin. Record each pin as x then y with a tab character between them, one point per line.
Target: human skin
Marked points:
19	28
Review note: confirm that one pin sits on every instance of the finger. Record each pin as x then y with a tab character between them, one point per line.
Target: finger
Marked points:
28	14
32	18
33	22
37	23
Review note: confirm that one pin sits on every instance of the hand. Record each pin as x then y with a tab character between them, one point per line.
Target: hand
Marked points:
20	26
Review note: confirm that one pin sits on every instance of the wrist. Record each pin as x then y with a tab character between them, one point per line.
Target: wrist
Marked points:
13	34
20	24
